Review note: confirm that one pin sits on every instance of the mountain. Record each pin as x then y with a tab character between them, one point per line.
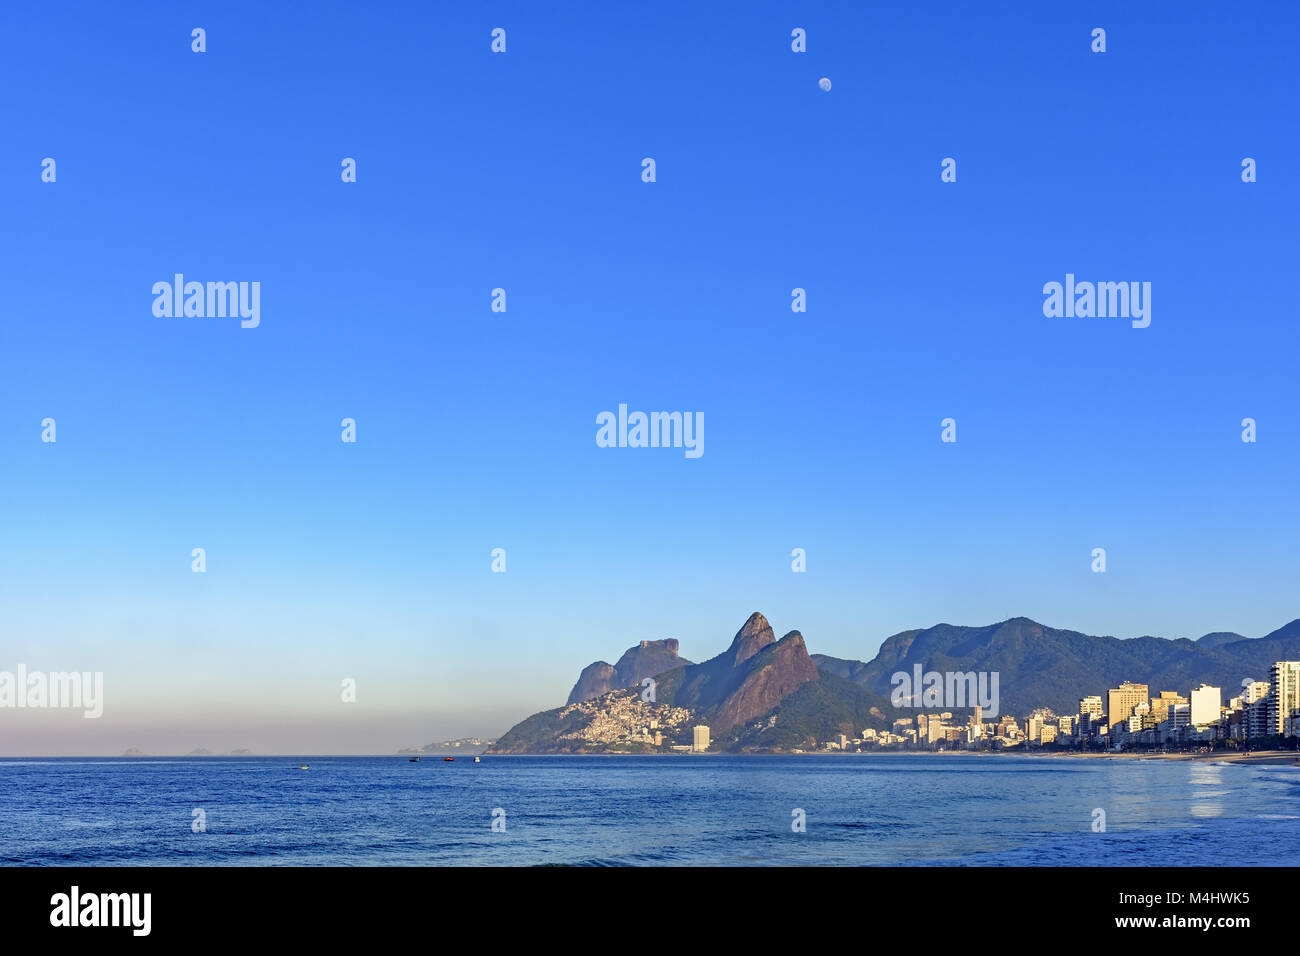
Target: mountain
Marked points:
1284	633
648	659
745	681
817	711
767	694
744	684
748	679
1042	666
1219	638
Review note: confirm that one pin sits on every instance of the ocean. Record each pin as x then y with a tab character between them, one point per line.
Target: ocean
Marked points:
886	809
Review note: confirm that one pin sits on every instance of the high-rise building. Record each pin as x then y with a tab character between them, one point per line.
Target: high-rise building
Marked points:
1206	701
1035	729
701	739
1121	701
1160	705
1254	691
1180	715
935	730
1091	705
1254	709
1283	696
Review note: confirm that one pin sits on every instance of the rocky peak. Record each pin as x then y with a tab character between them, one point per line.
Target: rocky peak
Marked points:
755	635
776	673
595	679
668	643
647	659
794	639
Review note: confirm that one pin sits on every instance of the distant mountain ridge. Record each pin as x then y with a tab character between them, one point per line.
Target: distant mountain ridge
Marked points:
1219	638
1042	666
767	694
637	663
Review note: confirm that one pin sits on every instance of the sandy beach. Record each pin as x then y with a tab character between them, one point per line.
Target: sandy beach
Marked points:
1253	757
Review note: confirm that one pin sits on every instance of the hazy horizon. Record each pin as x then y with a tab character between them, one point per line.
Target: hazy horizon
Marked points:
364	728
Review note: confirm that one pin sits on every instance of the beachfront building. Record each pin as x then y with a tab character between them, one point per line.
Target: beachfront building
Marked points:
1284	697
1160	705
1091	725
1254	707
1180	715
1121	701
1254	691
1206	704
1034	728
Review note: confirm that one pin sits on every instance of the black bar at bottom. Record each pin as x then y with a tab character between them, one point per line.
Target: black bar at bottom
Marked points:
581	907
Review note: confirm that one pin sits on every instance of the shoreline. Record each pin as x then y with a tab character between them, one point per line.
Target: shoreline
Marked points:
1287	757
1279	757
1262	757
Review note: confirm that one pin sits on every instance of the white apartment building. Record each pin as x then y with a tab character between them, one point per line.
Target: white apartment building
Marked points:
1284	697
1205	703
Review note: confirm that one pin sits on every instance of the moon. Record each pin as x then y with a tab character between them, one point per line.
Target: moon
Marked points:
825	83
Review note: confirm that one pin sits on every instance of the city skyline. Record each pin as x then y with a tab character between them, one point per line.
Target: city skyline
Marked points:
1136	719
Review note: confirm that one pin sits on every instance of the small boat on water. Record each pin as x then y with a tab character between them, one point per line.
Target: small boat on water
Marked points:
304	766
415	759
448	759
476	760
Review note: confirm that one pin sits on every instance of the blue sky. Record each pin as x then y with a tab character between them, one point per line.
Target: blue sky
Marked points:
476	429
